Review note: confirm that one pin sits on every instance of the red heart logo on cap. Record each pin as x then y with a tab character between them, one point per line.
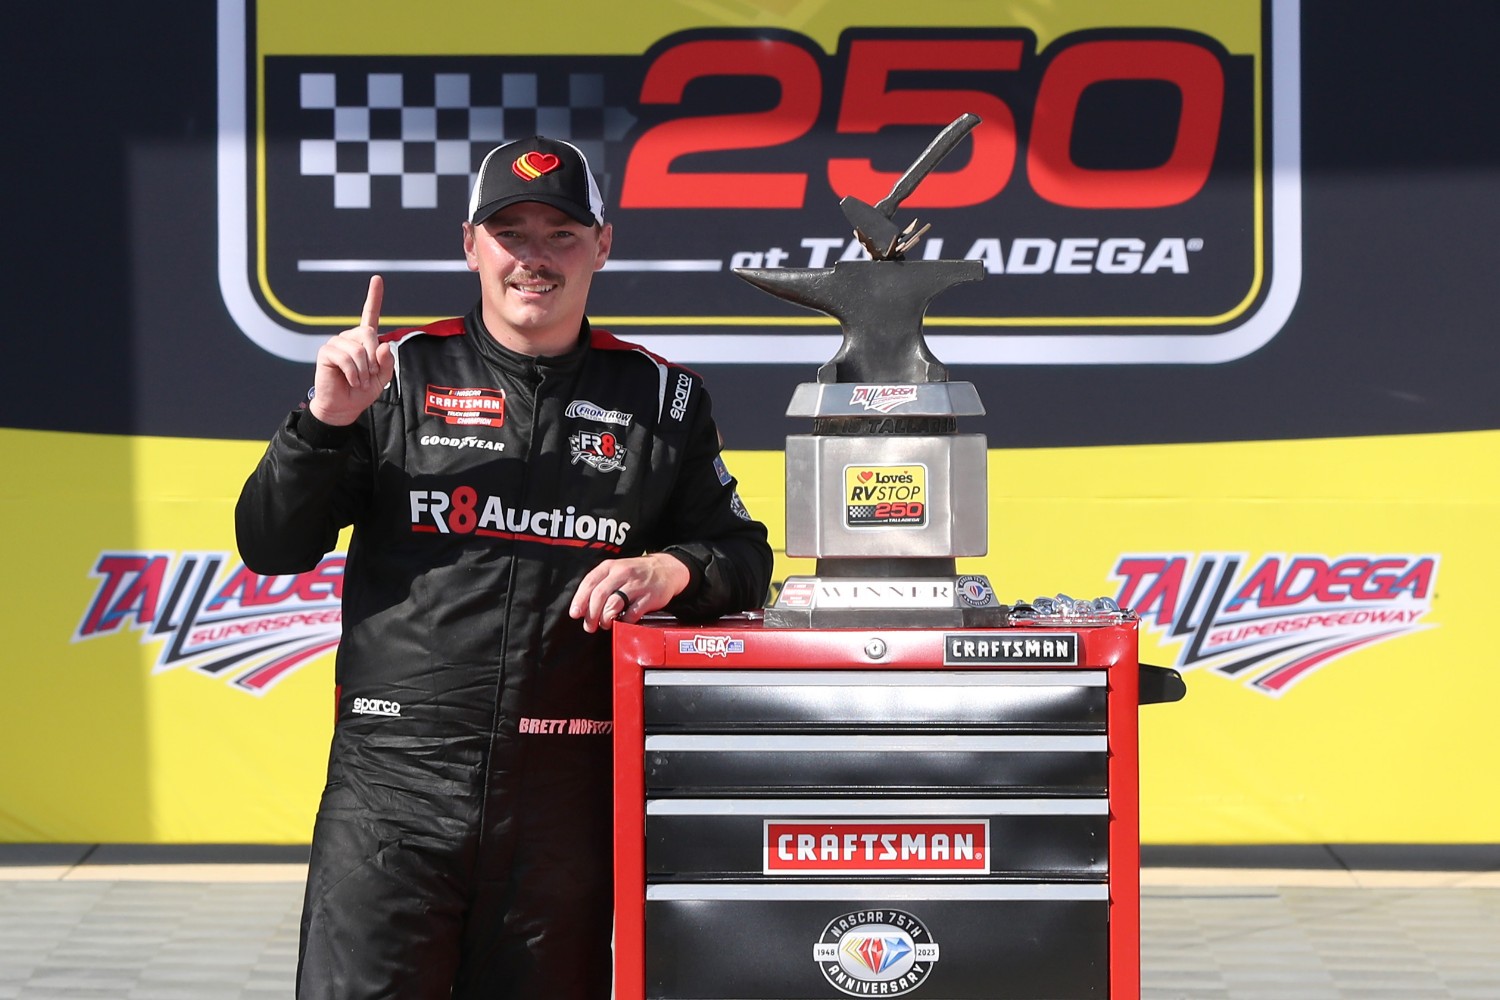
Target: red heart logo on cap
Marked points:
864	477
530	166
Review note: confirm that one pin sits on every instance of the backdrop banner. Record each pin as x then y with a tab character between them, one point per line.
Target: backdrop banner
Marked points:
1235	339
1327	616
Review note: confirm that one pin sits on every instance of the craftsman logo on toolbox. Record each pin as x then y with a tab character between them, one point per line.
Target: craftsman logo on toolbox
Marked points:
871	953
1011	649
885	496
466	406
1128	192
1272	622
711	645
891	847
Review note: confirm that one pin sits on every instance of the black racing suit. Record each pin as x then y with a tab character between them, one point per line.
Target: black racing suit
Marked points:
464	836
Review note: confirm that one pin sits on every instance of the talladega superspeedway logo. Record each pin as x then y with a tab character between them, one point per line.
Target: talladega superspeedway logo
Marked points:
213	616
1273	622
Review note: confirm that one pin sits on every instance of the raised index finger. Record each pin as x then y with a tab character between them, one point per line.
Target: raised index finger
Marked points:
370	316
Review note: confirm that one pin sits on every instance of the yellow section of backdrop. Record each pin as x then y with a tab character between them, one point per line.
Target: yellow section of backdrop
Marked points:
1389	744
1386	744
362	27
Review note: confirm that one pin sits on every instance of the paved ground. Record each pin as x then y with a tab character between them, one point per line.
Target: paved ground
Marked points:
208	923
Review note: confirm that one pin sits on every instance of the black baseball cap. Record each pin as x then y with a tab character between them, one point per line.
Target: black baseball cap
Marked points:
550	171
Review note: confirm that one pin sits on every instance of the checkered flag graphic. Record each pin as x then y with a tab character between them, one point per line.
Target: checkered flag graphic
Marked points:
420	127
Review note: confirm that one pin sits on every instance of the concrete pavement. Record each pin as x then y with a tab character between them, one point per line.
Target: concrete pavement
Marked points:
1290	923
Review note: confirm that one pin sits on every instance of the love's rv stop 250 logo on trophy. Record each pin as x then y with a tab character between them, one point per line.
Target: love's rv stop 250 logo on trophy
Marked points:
1128	191
885	495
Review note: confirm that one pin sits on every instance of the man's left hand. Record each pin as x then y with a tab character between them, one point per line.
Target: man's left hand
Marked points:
622	590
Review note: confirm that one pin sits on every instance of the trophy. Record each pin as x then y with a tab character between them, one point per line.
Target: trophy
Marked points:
884	493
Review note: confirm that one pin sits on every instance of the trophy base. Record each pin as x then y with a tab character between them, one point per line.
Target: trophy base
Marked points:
887	602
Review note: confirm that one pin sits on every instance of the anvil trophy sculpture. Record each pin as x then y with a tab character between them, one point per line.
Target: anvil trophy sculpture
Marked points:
884	493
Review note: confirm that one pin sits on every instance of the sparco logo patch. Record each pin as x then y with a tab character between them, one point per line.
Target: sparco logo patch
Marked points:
462	513
601	450
884	398
682	390
710	645
876	953
483	407
214	617
377	706
861	847
1272	622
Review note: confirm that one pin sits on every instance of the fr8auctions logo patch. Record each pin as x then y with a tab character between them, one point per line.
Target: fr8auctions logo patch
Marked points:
885	495
876	953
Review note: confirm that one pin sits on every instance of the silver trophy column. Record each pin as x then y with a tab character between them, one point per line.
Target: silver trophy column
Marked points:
884	493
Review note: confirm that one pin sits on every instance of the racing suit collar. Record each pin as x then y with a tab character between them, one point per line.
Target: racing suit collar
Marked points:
524	366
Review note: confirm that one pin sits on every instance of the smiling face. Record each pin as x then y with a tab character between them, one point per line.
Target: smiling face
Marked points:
535	264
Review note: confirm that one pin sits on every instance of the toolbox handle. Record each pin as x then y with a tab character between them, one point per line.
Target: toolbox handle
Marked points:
1160	685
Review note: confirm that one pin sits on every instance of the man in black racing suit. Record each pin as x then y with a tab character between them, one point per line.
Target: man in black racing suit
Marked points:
516	482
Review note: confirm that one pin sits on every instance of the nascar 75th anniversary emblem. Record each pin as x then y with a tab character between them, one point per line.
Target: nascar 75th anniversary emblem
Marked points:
1133	188
876	953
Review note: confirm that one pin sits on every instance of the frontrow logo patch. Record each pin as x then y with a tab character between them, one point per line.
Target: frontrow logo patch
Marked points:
460	513
876	953
1133	192
1273	621
879	847
582	408
215	617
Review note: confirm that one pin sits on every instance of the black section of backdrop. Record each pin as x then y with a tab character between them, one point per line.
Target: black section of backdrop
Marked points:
115	324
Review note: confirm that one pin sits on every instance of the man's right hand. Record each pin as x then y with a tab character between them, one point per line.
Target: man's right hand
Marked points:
353	367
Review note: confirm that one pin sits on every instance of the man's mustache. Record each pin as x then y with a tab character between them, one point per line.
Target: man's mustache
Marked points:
543	277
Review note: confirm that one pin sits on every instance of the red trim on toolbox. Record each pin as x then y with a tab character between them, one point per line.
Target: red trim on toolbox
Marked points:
636	647
658	644
1123	725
